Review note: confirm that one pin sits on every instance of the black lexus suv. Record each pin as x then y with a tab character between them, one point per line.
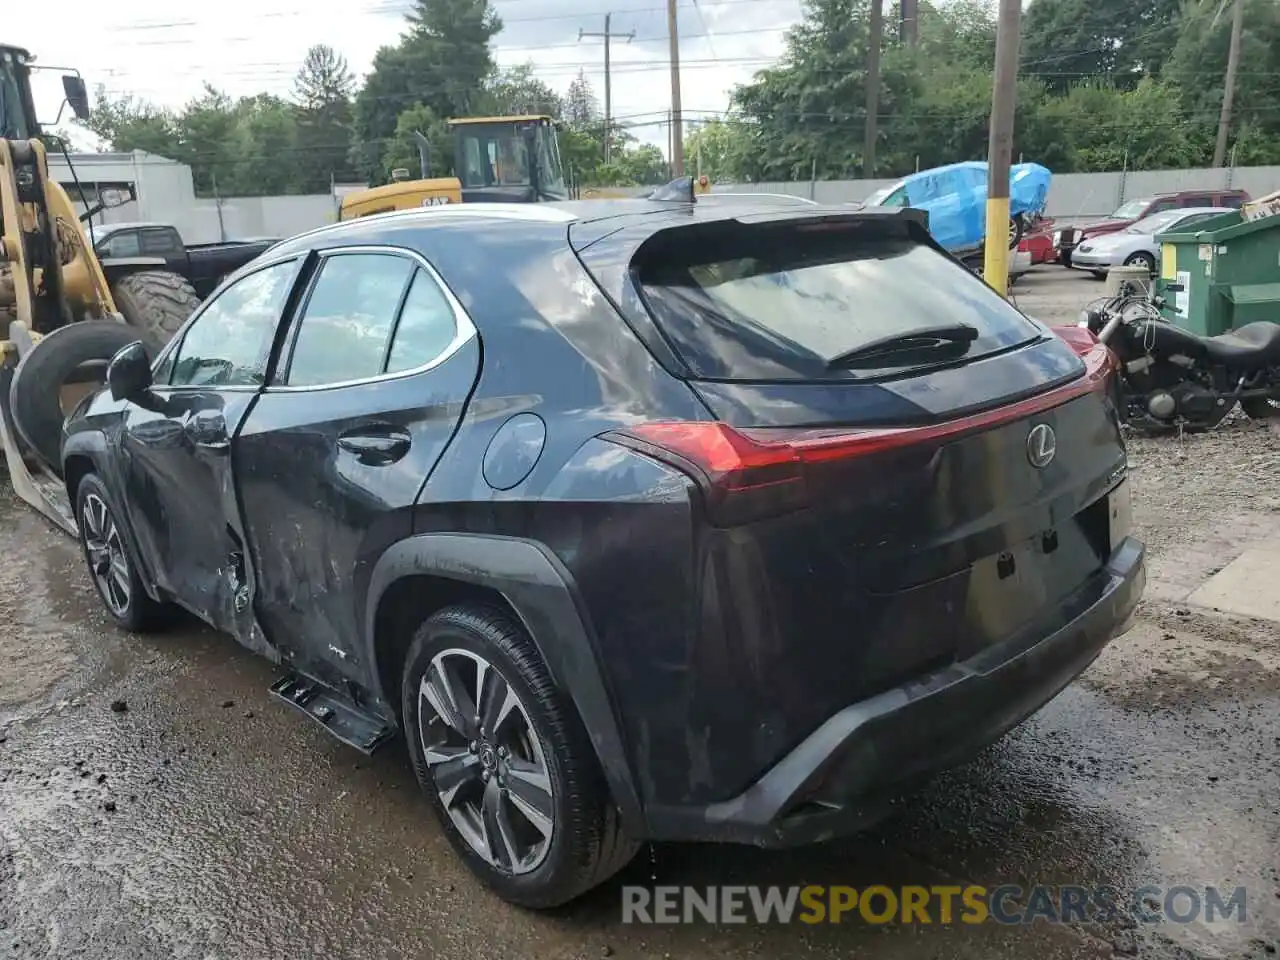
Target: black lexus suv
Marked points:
638	520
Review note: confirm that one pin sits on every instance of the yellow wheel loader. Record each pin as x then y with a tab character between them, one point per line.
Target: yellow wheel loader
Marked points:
497	159
63	313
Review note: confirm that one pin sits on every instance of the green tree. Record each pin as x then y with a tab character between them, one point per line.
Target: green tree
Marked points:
440	62
402	150
516	91
126	123
207	142
1065	41
268	158
323	91
1198	67
581	107
720	150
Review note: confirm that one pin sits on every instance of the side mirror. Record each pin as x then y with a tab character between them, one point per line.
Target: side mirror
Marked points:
111	197
129	372
77	95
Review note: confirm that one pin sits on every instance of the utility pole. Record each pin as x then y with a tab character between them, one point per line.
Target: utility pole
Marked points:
876	31
1000	147
908	22
1229	93
608	77
677	131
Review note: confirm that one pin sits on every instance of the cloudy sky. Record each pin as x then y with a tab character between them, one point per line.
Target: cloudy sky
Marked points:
163	51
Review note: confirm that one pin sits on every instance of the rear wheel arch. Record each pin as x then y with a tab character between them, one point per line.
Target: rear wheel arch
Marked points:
425	573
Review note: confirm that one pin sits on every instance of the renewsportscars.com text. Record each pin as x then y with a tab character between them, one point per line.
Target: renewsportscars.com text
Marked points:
972	904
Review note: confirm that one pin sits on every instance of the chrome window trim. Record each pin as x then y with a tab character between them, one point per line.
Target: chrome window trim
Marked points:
465	329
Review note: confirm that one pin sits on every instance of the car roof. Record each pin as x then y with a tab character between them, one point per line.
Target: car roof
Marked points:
1188	212
469	238
614	212
101	230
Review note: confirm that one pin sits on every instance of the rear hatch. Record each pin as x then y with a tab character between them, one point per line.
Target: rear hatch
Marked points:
896	461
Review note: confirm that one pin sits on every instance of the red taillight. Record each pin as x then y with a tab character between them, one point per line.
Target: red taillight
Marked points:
750	474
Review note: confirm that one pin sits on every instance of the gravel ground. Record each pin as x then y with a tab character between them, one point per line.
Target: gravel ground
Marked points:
206	821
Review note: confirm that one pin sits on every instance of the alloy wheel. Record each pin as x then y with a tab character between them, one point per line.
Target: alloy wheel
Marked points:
486	761
108	561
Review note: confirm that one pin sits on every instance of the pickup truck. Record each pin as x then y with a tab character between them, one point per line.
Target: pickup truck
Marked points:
203	264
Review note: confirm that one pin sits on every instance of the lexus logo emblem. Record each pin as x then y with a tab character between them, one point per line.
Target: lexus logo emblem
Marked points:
1041	445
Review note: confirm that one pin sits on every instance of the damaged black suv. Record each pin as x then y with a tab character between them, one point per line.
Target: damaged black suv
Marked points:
638	520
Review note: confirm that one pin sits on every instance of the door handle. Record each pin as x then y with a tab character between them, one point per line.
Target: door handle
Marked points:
208	430
376	448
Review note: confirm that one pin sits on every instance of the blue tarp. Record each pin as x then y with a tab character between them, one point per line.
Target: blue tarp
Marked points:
955	197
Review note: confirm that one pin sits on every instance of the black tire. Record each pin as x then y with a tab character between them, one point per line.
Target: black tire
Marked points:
587	844
140	613
1261	408
1065	258
1017	228
76	352
1144	258
155	302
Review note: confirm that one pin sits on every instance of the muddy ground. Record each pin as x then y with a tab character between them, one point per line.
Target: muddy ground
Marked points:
208	821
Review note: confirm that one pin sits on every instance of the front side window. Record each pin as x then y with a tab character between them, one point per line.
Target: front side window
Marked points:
125	244
229	343
348	319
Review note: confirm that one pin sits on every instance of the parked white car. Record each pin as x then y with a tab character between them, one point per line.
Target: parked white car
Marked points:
1136	243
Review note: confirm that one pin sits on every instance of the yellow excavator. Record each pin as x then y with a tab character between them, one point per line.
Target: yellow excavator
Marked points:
497	160
63	312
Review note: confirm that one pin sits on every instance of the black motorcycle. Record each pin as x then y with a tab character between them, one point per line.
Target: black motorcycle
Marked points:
1172	379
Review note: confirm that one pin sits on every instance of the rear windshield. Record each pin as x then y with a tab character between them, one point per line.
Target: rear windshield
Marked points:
771	303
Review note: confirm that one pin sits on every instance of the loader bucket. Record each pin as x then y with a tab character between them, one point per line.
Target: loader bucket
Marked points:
30	480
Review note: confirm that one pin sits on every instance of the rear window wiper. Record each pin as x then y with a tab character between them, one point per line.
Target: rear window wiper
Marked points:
902	349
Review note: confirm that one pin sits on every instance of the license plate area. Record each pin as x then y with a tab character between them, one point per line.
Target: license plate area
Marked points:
1016	586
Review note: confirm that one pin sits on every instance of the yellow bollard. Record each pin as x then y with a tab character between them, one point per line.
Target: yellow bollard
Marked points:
995	259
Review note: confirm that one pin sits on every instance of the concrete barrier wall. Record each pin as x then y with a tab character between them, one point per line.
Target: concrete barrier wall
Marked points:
1072	196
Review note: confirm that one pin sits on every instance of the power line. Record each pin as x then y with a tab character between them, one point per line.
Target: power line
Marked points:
607	35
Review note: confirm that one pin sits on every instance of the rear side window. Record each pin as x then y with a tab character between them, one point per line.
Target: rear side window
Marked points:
427	326
370	314
161	242
786	303
1233	200
347	321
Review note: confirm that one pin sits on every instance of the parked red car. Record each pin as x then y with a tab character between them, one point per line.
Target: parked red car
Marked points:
1038	241
1068	238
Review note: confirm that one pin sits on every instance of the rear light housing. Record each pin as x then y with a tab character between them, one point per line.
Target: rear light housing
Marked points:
1078	337
749	474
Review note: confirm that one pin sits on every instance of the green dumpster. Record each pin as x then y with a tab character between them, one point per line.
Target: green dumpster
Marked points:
1221	273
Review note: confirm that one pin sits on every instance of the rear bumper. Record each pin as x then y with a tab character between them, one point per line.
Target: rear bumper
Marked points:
847	774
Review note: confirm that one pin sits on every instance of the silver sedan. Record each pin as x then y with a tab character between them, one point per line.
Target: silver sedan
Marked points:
1136	244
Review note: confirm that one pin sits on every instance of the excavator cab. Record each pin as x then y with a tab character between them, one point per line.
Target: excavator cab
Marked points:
508	159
